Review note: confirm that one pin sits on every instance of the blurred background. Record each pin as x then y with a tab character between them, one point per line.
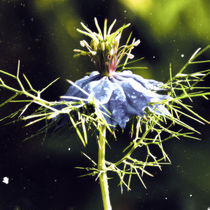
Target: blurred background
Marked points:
42	35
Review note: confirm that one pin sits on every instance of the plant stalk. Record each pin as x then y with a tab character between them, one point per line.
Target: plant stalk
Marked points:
103	179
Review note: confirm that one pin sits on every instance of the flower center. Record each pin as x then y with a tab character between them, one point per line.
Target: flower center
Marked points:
104	49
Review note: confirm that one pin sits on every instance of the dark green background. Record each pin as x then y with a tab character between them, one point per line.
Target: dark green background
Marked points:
42	34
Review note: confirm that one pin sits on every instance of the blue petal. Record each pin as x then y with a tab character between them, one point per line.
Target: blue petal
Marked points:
100	89
147	83
84	82
117	105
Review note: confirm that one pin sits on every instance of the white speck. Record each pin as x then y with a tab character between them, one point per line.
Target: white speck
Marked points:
125	11
69	149
5	180
208	208
153	57
182	55
190	195
166	198
133	96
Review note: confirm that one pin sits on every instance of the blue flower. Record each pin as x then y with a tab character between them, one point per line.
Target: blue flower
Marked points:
123	94
119	95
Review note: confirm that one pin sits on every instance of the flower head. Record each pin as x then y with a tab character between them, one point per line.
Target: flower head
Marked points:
119	95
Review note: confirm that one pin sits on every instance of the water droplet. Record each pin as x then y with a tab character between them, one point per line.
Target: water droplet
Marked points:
133	96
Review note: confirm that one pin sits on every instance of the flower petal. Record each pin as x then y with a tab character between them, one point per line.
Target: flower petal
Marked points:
100	89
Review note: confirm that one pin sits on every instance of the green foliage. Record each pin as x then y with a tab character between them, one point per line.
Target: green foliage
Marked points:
147	131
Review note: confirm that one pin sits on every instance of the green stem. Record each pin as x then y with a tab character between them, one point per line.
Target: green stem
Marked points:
103	170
